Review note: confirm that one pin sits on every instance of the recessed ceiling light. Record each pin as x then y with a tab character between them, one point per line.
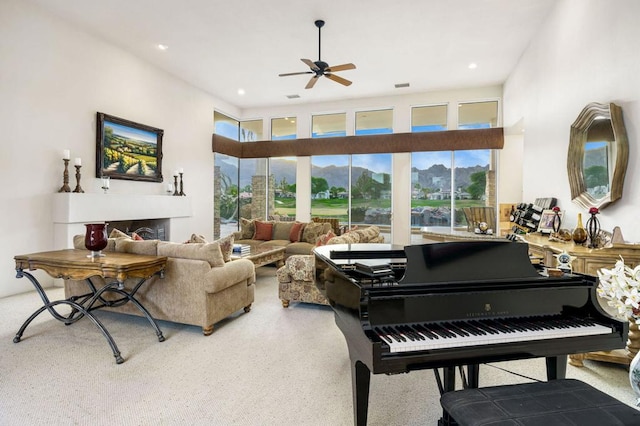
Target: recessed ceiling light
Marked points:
473	66
162	47
241	92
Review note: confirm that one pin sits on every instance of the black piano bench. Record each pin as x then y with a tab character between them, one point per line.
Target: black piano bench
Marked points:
565	402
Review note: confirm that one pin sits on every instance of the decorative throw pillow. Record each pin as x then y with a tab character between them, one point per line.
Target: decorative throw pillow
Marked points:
282	230
195	238
226	246
148	247
323	239
296	231
247	228
312	231
264	230
116	233
136	237
209	252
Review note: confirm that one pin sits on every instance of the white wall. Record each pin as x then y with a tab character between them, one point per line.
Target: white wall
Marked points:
586	51
53	79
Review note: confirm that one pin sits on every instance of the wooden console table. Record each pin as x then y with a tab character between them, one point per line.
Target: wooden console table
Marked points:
76	265
589	261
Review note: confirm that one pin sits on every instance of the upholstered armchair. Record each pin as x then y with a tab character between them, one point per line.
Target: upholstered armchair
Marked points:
297	281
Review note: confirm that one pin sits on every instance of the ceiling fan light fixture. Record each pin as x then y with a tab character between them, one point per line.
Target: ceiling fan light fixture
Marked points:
321	68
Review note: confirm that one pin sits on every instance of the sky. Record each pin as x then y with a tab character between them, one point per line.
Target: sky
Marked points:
131	133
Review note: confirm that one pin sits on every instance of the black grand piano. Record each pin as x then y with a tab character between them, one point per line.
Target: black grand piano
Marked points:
448	306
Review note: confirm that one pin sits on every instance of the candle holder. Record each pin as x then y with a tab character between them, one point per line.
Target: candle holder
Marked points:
78	187
105	183
593	228
65	177
175	186
170	188
182	194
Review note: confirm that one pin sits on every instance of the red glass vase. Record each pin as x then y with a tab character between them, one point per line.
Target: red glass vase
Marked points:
95	239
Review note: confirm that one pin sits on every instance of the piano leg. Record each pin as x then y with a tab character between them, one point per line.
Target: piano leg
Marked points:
473	376
360	379
556	367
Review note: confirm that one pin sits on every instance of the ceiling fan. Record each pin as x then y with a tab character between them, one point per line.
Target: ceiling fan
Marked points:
320	68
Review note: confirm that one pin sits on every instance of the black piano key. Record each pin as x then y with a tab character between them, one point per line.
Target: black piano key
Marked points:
382	335
422	329
455	329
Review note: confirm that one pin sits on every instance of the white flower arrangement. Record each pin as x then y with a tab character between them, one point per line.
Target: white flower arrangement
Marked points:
621	287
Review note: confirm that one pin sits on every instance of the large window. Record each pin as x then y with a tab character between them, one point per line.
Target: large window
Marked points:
283	170
448	186
374	122
430	173
474	172
240	185
329	125
225	180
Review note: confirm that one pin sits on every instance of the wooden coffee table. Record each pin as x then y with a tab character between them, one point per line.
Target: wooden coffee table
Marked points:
114	267
264	255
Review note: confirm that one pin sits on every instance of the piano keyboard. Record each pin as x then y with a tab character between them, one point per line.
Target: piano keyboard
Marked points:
456	334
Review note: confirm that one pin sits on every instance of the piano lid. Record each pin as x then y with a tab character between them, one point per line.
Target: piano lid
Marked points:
467	261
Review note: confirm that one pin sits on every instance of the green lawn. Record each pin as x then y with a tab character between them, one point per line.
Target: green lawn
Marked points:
337	207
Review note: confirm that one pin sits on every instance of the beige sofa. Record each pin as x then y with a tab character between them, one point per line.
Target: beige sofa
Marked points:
296	237
199	287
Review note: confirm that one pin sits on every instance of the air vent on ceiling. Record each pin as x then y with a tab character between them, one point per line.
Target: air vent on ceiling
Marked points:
401	85
293	96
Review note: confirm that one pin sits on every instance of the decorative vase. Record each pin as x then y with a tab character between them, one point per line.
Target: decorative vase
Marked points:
593	228
557	220
579	233
95	239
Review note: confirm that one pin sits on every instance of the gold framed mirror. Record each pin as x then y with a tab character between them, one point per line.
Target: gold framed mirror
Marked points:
598	156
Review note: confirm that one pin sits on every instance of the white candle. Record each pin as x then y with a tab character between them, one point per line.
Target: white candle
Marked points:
169	187
105	181
175	173
181	171
66	154
78	161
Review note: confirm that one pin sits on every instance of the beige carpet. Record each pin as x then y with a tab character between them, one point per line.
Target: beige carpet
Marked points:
273	366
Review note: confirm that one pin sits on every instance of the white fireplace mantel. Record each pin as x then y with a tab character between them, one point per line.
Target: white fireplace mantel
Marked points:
72	210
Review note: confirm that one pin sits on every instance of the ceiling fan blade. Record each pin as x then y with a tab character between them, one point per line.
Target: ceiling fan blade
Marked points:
342	67
295	73
312	82
310	64
337	79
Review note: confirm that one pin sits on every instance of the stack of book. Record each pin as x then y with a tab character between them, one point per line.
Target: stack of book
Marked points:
373	268
241	249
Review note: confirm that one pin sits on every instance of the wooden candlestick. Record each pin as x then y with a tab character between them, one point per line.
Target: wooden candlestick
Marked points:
175	186
65	177
181	191
78	187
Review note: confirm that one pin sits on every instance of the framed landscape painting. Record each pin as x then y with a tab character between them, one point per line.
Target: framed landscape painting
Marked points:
128	150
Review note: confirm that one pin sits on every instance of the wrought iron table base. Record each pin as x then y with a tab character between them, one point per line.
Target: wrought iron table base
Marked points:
82	306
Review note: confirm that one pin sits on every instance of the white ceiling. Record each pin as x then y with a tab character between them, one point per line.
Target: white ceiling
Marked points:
222	46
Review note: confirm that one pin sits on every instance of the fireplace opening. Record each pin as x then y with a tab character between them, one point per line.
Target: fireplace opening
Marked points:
147	229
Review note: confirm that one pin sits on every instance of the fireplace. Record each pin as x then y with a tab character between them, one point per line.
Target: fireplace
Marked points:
150	216
147	229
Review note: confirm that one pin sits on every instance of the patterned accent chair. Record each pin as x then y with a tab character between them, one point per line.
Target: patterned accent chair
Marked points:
297	281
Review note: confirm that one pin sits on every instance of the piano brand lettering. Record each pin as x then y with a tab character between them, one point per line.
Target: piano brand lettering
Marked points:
486	313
